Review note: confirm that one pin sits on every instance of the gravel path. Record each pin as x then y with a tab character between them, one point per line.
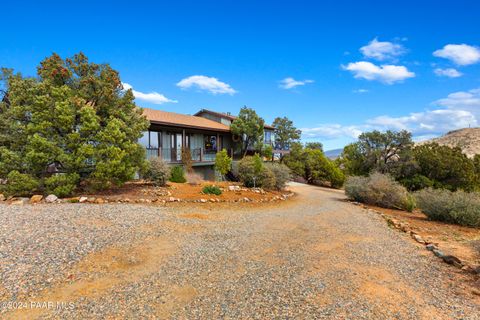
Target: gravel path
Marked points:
312	257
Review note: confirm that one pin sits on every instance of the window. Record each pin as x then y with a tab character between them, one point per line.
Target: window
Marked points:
210	143
268	137
151	139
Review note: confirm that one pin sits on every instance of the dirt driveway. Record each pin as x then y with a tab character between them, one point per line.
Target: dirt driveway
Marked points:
314	256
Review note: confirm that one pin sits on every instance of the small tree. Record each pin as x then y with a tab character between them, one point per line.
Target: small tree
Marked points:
249	127
285	132
187	159
267	151
314	145
223	162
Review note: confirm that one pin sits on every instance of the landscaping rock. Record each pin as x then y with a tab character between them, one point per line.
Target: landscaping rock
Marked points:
100	201
2	197
51	198
82	199
233	188
453	261
19	201
203	200
36	198
91	199
418	238
431	247
438	253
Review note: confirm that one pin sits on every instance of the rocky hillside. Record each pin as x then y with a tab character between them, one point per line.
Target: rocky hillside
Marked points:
468	139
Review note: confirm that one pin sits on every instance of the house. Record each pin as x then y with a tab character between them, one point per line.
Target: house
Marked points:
204	134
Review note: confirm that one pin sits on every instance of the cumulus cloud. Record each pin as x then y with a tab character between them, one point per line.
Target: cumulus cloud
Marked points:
461	54
462	100
210	84
152	97
331	131
382	50
449	72
458	110
290	83
388	74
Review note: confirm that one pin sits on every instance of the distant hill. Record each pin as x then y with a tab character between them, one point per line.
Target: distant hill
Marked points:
467	139
333	154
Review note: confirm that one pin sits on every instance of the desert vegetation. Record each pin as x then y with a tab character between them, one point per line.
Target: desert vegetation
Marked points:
388	170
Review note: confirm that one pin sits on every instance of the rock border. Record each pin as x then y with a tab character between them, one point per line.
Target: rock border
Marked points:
50	199
430	246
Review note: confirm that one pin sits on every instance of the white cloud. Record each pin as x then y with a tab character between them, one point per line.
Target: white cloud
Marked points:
152	97
360	91
461	54
449	72
289	83
462	100
382	50
385	73
210	84
331	131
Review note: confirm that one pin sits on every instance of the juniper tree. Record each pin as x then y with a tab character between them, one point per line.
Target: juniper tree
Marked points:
74	117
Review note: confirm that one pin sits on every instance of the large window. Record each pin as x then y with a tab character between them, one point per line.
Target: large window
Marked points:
151	139
210	143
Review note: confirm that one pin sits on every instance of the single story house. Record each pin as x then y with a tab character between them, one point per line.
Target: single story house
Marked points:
204	133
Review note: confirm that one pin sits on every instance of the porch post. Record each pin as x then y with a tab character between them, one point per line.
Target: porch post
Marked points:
218	142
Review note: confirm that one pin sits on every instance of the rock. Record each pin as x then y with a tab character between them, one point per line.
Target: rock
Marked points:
453	261
99	201
36	198
2	197
418	238
82	199
438	253
476	292
51	198
246	199
431	247
203	200
20	201
233	188
171	199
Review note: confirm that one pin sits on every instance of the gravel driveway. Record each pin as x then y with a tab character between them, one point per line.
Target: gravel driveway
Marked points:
314	256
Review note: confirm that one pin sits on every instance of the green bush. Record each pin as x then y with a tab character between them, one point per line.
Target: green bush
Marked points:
178	175
457	207
379	189
253	173
157	171
212	190
62	185
19	184
223	162
281	173
417	182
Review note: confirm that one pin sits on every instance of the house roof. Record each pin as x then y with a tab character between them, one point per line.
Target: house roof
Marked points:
225	115
183	120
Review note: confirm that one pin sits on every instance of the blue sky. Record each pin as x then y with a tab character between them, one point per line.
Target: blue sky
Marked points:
335	68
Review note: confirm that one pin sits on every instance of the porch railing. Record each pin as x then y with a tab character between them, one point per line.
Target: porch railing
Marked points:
174	155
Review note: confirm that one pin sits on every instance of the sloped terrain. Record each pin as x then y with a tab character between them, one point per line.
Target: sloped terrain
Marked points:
467	139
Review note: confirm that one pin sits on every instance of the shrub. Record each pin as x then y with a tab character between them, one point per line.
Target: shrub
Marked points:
212	190
378	189
178	175
267	179
62	185
223	162
281	173
267	152
417	182
19	184
157	171
193	178
250	171
187	159
457	207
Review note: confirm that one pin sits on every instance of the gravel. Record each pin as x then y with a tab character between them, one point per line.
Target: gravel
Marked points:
312	257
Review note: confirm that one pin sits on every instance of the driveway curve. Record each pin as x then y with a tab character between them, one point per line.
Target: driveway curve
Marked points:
314	256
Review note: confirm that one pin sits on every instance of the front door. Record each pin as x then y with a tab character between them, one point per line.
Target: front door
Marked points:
178	146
